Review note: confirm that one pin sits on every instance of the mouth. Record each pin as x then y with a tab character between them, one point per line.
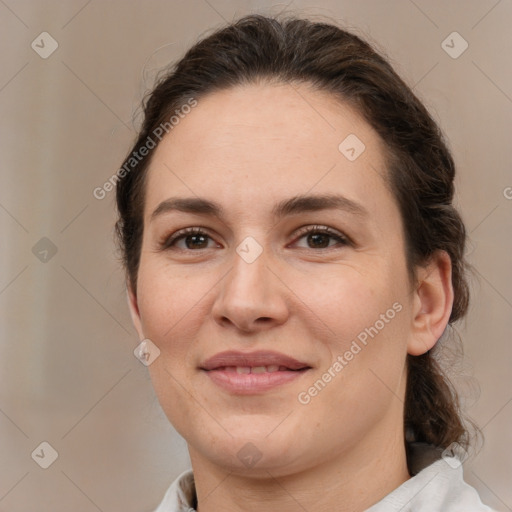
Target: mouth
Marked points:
244	370
252	373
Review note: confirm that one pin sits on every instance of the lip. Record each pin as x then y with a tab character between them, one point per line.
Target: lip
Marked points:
219	369
257	358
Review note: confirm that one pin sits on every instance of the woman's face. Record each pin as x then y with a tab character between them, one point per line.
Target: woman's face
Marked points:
339	303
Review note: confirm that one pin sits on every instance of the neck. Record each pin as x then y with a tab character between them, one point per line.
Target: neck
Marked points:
351	481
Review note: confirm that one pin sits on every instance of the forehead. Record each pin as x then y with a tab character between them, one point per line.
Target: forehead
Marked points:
259	143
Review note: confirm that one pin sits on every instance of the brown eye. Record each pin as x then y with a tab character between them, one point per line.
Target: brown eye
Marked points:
194	238
320	237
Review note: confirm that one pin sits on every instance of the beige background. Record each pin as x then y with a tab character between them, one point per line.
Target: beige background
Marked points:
68	375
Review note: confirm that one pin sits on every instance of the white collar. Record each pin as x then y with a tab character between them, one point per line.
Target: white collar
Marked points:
437	485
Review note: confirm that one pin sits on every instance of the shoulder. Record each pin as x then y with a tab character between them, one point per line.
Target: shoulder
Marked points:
438	486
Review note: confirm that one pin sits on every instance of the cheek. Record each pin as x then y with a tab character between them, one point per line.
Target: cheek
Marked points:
335	310
168	304
166	299
364	375
348	299
365	317
332	302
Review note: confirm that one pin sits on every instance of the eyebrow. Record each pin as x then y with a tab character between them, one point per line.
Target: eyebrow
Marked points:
291	206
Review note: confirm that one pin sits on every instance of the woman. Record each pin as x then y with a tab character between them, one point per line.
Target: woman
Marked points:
293	257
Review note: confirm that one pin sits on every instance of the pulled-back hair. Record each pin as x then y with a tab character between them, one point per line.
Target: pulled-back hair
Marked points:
420	167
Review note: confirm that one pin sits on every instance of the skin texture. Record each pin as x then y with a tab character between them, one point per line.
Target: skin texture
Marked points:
248	148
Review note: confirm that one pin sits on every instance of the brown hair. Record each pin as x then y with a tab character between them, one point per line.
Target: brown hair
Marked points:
421	169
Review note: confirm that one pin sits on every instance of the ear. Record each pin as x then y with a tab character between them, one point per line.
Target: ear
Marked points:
134	310
432	304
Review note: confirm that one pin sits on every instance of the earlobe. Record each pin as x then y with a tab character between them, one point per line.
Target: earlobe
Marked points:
134	310
433	303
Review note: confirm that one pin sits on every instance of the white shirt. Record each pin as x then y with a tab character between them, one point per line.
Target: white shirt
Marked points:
437	486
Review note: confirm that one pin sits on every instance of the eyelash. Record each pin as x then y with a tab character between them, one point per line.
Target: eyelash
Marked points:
324	230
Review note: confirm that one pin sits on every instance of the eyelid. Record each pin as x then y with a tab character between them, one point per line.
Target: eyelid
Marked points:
183	233
167	241
323	230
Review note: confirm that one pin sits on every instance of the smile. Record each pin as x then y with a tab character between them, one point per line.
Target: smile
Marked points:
246	380
251	373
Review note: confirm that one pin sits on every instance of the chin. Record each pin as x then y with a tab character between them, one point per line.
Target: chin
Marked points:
252	451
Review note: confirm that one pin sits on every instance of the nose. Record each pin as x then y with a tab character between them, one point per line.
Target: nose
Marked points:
252	296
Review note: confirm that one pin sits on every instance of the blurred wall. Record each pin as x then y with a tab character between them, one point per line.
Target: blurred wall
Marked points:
68	375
